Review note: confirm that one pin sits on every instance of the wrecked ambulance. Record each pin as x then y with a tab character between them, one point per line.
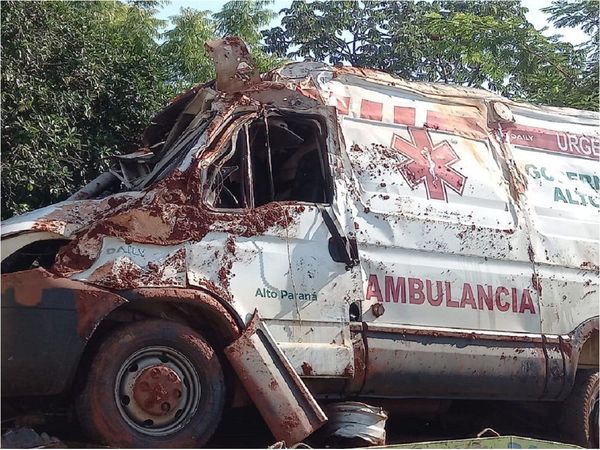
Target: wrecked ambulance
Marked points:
312	235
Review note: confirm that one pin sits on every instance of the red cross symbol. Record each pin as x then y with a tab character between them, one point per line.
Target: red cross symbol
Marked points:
429	164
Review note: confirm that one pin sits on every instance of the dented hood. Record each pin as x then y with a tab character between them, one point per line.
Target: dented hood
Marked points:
65	218
25	222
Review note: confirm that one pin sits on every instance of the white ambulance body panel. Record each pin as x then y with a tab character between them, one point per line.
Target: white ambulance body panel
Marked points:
560	157
437	228
467	223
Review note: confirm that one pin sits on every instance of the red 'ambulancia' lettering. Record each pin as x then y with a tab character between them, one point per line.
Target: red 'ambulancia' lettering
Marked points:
467	297
485	296
373	289
502	306
526	303
437	301
393	290
449	302
415	291
479	297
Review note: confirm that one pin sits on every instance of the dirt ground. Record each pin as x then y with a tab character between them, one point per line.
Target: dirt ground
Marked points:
245	428
465	419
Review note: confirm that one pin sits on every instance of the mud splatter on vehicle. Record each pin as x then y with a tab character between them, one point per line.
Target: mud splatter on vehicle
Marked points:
312	235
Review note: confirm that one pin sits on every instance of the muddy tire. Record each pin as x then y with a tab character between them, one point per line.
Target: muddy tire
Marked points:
580	411
152	383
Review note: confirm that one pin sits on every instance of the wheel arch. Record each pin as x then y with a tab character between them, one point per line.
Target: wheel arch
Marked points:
201	310
588	355
580	350
584	344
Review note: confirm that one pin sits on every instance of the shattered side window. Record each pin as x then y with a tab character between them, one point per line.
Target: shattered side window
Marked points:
288	156
280	159
228	181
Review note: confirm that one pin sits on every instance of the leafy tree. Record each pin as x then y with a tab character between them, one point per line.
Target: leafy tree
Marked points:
499	49
184	43
246	19
480	44
79	82
338	32
184	48
584	14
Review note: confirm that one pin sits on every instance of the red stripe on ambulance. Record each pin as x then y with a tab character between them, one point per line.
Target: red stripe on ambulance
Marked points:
404	115
555	141
342	104
440	293
371	110
522	135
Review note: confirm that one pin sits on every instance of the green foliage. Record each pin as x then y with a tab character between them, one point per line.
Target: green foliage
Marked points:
245	19
184	47
480	44
501	52
79	82
338	32
586	15
583	13
184	43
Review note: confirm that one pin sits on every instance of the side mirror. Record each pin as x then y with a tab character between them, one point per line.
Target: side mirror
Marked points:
340	248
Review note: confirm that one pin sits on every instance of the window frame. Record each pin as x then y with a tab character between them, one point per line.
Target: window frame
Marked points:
244	127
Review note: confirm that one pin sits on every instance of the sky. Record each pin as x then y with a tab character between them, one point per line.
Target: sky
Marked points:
535	15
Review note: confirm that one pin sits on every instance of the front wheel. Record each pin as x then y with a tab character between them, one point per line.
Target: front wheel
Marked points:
580	410
153	383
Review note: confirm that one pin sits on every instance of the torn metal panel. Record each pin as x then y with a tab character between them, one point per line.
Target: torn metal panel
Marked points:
198	105
66	218
285	403
357	422
280	96
163	122
124	266
236	69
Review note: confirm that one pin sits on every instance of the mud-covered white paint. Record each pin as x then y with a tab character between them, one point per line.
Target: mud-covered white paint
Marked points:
461	223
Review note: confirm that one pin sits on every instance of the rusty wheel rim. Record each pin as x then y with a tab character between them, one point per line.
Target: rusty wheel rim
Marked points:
157	390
